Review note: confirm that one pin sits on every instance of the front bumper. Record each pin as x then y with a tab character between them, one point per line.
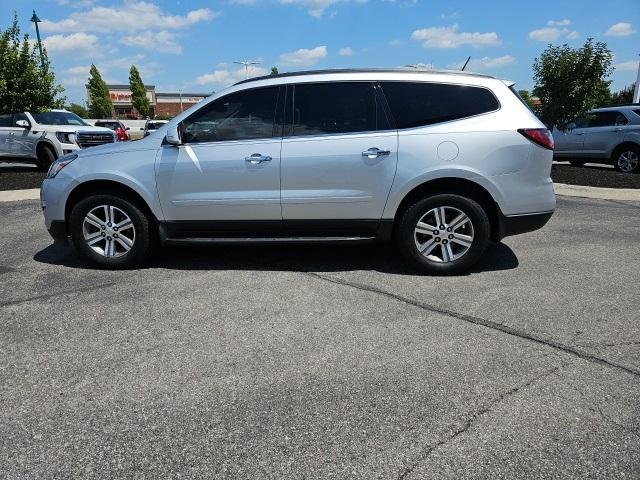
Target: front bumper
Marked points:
509	225
59	233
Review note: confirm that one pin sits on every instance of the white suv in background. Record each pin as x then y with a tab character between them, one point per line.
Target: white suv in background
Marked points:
43	137
441	162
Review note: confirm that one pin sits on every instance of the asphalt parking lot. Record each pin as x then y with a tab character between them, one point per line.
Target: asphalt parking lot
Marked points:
325	361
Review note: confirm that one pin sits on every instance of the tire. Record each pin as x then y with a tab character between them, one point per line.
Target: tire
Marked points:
110	249
46	157
457	257
627	159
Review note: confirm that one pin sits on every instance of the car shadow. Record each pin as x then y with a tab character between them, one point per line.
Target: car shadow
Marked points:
6	167
305	258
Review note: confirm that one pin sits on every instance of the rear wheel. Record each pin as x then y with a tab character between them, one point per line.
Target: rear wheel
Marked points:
111	231
46	157
443	234
627	159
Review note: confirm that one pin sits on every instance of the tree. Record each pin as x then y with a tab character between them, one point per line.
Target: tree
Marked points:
78	110
274	71
526	96
26	80
98	91
571	81
624	96
139	98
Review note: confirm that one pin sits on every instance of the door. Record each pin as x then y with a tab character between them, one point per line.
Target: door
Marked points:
23	141
605	130
6	134
228	167
570	141
339	156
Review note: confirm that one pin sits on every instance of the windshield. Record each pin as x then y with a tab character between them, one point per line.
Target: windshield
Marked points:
58	118
154	125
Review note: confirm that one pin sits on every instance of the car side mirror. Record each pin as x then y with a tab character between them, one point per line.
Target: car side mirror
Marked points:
22	124
173	135
127	128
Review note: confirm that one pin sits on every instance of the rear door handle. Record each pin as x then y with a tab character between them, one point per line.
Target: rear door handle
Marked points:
375	152
257	158
617	129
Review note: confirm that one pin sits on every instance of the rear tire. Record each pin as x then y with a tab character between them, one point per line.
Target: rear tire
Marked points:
113	232
627	159
429	247
46	156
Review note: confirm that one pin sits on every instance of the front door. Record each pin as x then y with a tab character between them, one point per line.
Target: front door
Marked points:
339	157
605	129
228	167
23	141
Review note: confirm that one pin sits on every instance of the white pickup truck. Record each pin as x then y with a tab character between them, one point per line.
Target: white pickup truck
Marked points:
43	137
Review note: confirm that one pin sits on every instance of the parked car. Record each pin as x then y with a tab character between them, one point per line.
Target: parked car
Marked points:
152	125
607	135
42	137
117	126
441	162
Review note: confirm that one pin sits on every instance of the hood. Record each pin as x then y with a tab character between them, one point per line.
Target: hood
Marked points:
147	143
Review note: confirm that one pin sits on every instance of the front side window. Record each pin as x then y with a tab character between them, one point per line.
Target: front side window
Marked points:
416	104
335	108
58	118
242	115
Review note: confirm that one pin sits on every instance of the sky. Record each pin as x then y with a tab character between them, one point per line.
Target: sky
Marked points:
191	45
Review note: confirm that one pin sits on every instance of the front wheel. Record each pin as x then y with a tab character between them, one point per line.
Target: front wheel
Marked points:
443	234
111	231
626	160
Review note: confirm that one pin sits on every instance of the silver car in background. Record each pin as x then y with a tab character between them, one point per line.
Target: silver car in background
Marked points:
607	135
441	162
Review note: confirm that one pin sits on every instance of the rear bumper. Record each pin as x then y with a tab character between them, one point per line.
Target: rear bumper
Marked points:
516	224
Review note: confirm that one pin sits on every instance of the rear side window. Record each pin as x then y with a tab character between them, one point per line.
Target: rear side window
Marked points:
607	119
415	104
336	107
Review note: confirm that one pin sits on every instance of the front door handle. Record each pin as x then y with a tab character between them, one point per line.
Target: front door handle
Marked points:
619	129
375	152
257	158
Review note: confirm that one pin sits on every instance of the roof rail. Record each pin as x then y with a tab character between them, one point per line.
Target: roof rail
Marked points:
362	70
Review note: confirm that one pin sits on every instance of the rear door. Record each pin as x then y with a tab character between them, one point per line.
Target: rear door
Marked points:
6	133
339	156
570	141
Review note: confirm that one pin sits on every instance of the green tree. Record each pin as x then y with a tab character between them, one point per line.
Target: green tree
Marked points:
78	110
26	80
274	71
139	98
571	81
624	96
100	103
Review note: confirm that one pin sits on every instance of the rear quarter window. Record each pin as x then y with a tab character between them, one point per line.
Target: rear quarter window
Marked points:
416	104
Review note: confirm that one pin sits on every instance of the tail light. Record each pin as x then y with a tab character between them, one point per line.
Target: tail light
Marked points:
541	136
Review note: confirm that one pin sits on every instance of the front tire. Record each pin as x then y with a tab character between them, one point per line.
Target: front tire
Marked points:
627	159
113	232
443	234
46	157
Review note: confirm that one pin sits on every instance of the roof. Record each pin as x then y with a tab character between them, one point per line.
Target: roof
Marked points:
613	107
363	70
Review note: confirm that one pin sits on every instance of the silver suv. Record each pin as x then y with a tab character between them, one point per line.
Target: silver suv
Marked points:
42	137
441	162
605	135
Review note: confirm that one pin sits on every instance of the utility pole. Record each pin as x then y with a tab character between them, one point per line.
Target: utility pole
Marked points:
636	91
246	64
36	20
180	100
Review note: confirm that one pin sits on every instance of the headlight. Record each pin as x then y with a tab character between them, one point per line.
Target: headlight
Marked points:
64	137
60	163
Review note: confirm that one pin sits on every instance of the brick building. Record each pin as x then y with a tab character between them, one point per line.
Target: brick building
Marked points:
162	104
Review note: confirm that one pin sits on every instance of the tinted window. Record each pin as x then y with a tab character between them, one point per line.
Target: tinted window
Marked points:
58	118
607	119
5	120
346	107
637	112
239	116
418	104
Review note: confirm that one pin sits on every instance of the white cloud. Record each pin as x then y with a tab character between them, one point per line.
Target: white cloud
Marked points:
243	2
163	41
225	77
345	52
80	44
486	63
559	23
572	35
130	16
304	56
450	37
396	43
630	66
76	3
316	8
620	29
551	34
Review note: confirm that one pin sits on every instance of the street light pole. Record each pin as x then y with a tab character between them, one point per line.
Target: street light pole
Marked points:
246	64
636	91
36	20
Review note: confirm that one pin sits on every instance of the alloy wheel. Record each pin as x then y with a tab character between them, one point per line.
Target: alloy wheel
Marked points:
108	231
628	161
443	234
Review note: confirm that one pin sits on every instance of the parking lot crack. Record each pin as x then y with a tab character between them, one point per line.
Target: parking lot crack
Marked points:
480	322
471	419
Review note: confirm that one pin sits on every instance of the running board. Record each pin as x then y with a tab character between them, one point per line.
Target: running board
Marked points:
241	240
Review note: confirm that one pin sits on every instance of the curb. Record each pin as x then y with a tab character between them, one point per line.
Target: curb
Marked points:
561	189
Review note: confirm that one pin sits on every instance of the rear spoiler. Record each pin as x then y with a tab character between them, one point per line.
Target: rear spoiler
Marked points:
508	83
